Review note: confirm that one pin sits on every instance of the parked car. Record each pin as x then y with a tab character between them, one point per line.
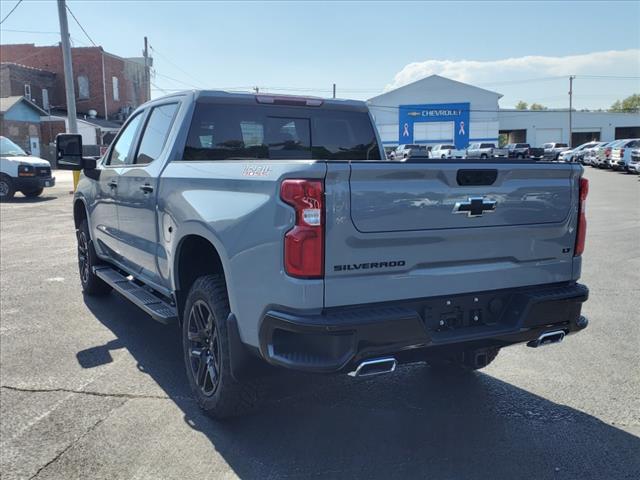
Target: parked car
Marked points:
573	154
587	155
21	172
486	150
634	161
552	150
404	152
523	150
320	265
621	153
603	154
446	151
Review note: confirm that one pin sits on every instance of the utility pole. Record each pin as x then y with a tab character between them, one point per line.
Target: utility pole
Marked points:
68	67
147	76
334	90
571	77
68	77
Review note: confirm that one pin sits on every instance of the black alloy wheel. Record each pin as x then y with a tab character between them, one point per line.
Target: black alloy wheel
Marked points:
204	348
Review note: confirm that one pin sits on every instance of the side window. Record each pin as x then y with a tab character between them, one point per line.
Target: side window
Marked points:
156	133
116	89
83	87
122	147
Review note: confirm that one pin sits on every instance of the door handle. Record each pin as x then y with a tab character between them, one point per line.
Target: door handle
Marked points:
113	184
146	188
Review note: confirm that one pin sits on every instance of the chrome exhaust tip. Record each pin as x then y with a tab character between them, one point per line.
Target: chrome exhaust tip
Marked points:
547	338
375	366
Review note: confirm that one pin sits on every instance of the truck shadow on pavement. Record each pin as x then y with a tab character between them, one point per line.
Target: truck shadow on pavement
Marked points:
415	423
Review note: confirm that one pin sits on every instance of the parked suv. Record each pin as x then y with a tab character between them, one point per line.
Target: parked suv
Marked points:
574	154
274	231
21	172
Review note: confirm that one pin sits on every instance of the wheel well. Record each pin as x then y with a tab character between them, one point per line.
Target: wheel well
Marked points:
196	257
79	213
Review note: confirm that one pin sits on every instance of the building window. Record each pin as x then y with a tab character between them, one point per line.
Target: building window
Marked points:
27	91
45	99
83	87
116	90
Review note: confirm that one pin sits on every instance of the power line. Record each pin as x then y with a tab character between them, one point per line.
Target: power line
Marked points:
29	31
155	51
10	12
81	27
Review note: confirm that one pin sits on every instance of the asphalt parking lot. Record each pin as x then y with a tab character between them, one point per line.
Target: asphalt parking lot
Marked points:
95	389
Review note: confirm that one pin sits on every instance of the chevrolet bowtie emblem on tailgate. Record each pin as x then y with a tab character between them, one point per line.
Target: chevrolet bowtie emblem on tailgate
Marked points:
475	207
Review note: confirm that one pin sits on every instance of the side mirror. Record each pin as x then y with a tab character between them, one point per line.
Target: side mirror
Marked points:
69	152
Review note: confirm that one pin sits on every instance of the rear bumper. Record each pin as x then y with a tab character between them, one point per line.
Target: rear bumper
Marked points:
338	339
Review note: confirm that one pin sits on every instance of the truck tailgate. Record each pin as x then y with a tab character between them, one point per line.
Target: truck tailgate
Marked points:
402	231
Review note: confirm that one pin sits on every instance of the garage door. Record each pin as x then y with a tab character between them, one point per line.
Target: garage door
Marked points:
433	132
547	135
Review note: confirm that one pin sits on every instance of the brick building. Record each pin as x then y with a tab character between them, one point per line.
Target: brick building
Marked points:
112	86
33	83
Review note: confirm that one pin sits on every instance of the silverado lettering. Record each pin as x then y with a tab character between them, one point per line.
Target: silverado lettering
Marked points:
364	266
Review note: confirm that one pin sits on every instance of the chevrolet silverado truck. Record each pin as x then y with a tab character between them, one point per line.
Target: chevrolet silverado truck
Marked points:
485	151
523	150
275	233
21	172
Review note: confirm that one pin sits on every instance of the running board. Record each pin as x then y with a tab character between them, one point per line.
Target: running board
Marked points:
154	306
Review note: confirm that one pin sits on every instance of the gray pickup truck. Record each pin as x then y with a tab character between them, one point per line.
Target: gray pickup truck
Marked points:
275	232
486	151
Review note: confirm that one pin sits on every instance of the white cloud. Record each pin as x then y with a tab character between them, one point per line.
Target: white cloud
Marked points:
613	62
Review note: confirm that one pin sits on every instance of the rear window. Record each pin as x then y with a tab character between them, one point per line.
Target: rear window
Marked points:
447	147
487	145
522	145
561	145
234	132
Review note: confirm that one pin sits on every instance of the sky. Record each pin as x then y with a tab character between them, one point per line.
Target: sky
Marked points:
524	50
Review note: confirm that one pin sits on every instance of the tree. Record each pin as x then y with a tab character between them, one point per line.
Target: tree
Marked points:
537	106
629	104
522	105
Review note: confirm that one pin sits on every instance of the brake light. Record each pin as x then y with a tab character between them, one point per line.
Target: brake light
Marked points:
304	243
581	234
607	152
621	152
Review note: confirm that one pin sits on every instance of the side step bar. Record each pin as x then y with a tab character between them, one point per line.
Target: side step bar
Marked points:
154	306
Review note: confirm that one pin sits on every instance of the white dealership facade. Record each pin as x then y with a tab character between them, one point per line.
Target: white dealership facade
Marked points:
439	110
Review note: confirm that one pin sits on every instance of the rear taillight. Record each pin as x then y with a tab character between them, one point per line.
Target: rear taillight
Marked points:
581	234
607	152
621	152
304	243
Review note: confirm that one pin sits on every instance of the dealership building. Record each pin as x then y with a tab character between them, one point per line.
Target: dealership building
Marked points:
439	110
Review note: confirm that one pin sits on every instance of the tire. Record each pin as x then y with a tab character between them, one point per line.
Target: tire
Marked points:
7	190
484	156
520	156
443	156
204	333
92	285
32	193
469	360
